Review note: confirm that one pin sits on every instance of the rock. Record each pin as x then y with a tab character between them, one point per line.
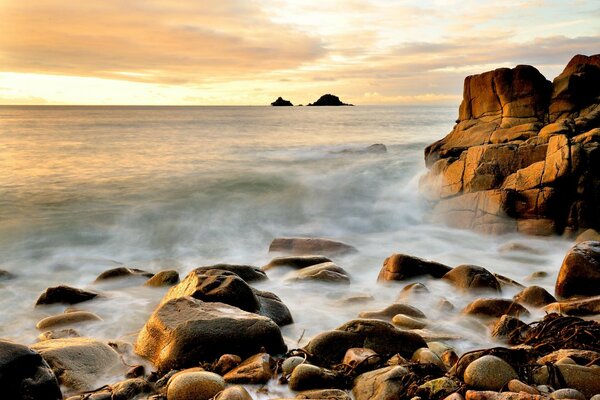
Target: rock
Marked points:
376	148
537	275
470	277
325	272
426	356
581	356
584	379
290	363
280	102
378	336
226	363
248	273
567	394
454	396
198	385
506	282
517	386
329	394
80	363
361	359
69	318
167	277
490	395
184	331
589	234
6	275
509	328
256	369
306	377
296	262
534	296
25	375
328	100
123	272
404	321
59	334
438	388
126	390
384	383
308	246
580	271
495	308
489	373
64	294
589	306
416	290
233	393
272	307
390	311
398	267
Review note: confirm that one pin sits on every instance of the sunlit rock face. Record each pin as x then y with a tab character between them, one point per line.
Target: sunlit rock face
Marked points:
524	154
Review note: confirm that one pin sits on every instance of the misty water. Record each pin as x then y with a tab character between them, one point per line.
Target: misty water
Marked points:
84	189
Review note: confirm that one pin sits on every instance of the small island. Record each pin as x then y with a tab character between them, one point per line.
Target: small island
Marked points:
280	102
329	100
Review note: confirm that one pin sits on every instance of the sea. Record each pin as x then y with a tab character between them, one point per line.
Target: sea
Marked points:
85	189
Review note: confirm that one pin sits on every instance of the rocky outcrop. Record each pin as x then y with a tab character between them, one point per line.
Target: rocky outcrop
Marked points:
579	273
280	102
329	100
523	155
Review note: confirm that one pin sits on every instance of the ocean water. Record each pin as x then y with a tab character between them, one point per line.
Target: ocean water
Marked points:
84	189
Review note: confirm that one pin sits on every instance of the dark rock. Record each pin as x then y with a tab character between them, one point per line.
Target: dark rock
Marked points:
280	102
6	275
25	375
588	306
296	262
248	273
398	267
68	318
64	294
384	383
328	100
167	277
58	334
390	311
319	394
325	272
580	271
272	307
185	331
438	388
226	363
509	328
416	289
534	296
472	277
123	272
309	246
307	377
256	369
236	392
495	308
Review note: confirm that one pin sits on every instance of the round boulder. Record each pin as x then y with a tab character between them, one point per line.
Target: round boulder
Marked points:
467	277
489	373
399	267
197	385
579	274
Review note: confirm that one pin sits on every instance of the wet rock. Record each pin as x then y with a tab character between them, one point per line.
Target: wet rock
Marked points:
309	246
123	272
398	267
184	331
589	234
489	373
507	283
226	363
438	388
571	394
64	294
129	389
80	363
517	386
384	383
329	100
414	290
167	277
256	369
580	356
390	311
426	356
306	377
490	395
25	375
280	102
449	358
588	306
455	396
509	328
248	273
329	394
485	307
584	379
296	262
404	321
290	363
69	318
537	275
272	307
325	272
361	359
379	336
233	393
469	277
136	371
58	334
534	296
199	385
579	274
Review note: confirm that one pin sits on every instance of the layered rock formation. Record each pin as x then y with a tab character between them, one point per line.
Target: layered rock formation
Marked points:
524	154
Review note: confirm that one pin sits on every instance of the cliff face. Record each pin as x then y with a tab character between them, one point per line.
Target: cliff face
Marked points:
524	154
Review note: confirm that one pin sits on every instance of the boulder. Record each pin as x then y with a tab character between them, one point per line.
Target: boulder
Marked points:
570	394
248	273
185	331
329	100
425	356
123	272
398	267
325	272
306	377
80	363
256	369
167	277
381	337
509	328
319	394
296	262
584	379
587	306
391	311
233	393
361	359
580	356
290	363
272	307
579	273
280	102
534	296
489	373
226	363
25	375
406	322
69	318
194	385
492	395
381	384
438	388
485	307
64	294
472	277
413	290
308	246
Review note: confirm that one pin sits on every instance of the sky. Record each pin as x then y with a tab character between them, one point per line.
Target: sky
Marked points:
246	52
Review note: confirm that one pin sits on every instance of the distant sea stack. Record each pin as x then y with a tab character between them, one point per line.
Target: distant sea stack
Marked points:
329	100
280	102
524	155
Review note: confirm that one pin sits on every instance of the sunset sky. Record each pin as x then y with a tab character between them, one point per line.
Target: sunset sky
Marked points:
209	52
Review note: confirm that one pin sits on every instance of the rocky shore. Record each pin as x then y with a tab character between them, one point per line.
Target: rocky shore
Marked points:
214	335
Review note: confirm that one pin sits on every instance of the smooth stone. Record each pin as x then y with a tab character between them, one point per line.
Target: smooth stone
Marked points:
589	234
306	377
515	385
248	273
491	395
508	328
454	396
390	311
413	290
256	369
234	393
167	277
321	394
404	321
426	356
495	308
309	246
290	363
67	319
296	262
226	363
579	273
325	272
59	334
534	296
361	357
571	394
122	272
438	388
582	356
566	360
200	385
399	267
584	379
489	373
64	294
384	383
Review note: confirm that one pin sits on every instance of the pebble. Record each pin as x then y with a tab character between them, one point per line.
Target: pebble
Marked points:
517	386
233	393
67	319
197	385
489	373
226	363
290	363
